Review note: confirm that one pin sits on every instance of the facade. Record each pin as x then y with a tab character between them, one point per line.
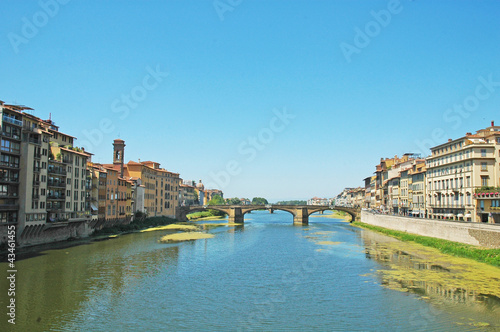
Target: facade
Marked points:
318	201
458	169
44	178
417	190
156	190
188	195
10	159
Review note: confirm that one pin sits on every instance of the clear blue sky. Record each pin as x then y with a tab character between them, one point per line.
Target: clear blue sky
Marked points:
233	64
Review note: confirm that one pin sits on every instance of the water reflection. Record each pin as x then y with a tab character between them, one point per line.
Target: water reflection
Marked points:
424	271
64	280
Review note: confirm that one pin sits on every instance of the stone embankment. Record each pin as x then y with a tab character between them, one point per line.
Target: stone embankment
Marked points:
477	234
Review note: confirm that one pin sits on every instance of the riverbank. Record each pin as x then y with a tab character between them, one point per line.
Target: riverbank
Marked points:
488	256
136	225
336	215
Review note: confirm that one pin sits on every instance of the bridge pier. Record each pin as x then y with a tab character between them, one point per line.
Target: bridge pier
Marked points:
235	215
301	217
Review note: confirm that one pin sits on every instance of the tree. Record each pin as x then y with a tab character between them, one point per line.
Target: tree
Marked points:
216	200
259	201
234	201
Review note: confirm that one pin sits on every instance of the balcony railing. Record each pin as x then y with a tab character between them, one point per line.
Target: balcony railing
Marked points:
9	179
9	164
61	196
11	135
57	184
37	155
9	207
52	170
487	190
68	160
11	120
35	141
10	150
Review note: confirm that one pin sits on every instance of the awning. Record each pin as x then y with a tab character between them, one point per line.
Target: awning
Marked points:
460	215
468	215
450	215
416	212
94	208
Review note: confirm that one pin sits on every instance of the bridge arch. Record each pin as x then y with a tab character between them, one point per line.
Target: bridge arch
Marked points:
270	209
335	208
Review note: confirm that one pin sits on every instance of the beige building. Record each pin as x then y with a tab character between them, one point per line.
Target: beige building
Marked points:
46	175
459	168
417	190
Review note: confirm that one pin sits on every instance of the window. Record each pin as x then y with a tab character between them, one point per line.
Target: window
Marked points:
75	195
76	184
484	181
484	166
483	152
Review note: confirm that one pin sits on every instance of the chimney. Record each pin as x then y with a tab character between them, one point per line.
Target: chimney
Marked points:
449	140
468	134
492	123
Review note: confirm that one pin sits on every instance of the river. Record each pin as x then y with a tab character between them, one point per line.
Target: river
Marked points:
267	275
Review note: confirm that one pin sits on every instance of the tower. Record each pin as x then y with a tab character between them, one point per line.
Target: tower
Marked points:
118	152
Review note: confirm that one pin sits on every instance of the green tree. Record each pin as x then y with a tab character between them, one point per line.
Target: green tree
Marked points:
259	201
216	200
234	201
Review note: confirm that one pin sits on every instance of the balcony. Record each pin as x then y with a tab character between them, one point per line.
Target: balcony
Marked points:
12	120
11	135
53	170
56	195
36	182
35	196
10	150
4	207
488	190
9	164
59	184
35	141
36	169
37	155
68	161
9	179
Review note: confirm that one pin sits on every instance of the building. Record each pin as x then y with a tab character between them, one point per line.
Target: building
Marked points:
460	168
160	187
417	190
188	195
44	180
10	158
318	201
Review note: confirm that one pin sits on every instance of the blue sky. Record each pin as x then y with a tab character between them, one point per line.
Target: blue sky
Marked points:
258	98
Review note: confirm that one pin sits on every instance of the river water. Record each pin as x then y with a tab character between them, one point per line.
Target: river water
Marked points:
267	275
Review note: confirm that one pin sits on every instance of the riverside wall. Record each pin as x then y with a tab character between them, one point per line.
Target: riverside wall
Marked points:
477	234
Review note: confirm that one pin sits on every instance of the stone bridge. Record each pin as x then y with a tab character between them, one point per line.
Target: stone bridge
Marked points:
236	213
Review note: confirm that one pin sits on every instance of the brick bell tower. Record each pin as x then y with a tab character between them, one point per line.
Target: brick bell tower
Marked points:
118	152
